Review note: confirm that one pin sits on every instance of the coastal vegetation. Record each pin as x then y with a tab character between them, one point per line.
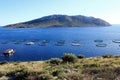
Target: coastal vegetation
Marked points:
69	67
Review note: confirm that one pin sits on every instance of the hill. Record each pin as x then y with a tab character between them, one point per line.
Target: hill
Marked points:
61	21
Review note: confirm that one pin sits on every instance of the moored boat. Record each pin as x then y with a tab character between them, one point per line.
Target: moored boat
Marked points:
9	52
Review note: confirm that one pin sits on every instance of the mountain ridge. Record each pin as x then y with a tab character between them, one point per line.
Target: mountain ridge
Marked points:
61	21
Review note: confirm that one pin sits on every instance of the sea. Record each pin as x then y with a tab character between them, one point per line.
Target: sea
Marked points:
89	39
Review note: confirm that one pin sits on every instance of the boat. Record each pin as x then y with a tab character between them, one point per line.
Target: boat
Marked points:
9	52
29	43
101	45
75	44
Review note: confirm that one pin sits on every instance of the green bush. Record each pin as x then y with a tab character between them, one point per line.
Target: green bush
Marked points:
117	70
56	61
45	77
57	72
4	62
108	56
20	75
95	65
92	71
69	58
77	76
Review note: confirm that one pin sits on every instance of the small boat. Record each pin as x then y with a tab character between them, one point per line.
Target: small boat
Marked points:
75	44
29	43
101	45
9	52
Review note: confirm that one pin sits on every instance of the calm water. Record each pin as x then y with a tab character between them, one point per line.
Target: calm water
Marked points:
86	36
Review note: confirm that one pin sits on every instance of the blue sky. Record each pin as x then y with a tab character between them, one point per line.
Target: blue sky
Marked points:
14	11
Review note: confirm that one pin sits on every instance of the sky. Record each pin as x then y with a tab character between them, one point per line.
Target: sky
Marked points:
15	11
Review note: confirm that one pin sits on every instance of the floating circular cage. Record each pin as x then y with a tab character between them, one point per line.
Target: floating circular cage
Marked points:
101	45
116	41
4	42
98	41
17	42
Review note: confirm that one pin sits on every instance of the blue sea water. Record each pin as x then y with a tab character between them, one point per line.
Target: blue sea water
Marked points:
85	35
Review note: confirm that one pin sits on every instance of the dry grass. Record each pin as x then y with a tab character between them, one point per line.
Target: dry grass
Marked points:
15	66
93	68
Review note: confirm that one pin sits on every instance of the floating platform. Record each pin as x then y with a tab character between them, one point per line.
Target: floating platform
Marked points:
35	40
29	43
116	41
43	44
98	41
17	42
4	42
60	43
101	45
45	41
75	44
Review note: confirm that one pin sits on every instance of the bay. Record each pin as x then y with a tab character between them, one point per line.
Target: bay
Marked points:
85	36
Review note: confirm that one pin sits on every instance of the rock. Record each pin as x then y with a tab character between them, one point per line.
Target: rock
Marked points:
67	71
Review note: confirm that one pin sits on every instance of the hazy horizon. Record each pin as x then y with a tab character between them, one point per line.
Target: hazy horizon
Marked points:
24	10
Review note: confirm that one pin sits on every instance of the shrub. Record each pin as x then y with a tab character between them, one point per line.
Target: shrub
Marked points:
45	77
95	65
56	61
4	62
20	75
57	72
92	71
77	76
117	70
69	58
108	56
81	56
92	65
